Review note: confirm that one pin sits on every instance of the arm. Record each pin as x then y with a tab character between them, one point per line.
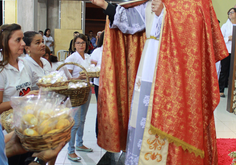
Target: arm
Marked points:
224	31
4	106
14	147
129	20
94	62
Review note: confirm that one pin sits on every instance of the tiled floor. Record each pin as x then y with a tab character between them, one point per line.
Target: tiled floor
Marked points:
225	128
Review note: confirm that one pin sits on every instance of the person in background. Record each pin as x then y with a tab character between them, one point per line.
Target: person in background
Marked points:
48	40
92	38
35	49
96	59
41	32
226	30
97	38
72	50
52	59
90	45
81	57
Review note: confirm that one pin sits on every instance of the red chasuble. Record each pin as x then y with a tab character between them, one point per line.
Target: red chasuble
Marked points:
183	108
186	86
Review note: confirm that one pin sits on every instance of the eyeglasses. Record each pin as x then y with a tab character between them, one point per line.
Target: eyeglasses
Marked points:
232	12
80	43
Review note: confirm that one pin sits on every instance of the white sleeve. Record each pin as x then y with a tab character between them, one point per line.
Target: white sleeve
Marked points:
70	59
224	30
130	20
94	55
158	23
2	80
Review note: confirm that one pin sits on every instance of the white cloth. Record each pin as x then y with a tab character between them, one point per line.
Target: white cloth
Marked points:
37	71
55	65
227	30
50	40
76	58
218	69
97	57
15	82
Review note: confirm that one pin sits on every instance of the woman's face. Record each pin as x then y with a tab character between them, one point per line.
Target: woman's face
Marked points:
48	32
16	43
37	47
80	45
232	14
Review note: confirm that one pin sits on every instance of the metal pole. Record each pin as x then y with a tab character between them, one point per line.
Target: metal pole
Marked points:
83	6
3	11
59	20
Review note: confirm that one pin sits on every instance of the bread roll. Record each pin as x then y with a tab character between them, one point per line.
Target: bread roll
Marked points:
46	126
62	123
30	120
53	131
30	132
46	114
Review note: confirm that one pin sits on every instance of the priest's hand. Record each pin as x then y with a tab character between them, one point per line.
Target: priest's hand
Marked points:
101	3
157	6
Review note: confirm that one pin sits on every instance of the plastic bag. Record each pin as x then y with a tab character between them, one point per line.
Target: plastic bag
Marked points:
48	112
54	77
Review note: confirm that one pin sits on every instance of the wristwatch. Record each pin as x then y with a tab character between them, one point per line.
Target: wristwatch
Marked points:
34	159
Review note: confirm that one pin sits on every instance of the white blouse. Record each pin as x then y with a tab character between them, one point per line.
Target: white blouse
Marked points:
76	58
15	82
37	71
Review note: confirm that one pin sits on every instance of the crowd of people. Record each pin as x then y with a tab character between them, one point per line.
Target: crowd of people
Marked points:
19	75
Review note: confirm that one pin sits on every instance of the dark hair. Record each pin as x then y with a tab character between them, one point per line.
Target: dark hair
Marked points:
46	31
76	32
28	38
100	41
40	31
231	9
90	31
87	37
53	58
83	37
5	35
47	50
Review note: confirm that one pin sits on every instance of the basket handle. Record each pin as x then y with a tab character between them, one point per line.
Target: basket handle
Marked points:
73	63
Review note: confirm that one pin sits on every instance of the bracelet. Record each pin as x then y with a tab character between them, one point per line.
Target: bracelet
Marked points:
34	159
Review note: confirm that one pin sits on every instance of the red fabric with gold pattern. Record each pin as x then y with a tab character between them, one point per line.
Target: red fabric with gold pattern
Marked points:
120	60
183	108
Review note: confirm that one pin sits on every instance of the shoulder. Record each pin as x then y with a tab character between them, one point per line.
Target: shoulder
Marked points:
87	55
45	62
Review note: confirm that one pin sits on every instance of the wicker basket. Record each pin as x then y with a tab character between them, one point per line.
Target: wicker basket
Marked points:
45	142
78	96
93	74
5	123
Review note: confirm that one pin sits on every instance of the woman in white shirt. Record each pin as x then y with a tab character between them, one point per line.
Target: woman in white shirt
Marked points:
35	49
227	30
96	58
15	75
48	40
81	45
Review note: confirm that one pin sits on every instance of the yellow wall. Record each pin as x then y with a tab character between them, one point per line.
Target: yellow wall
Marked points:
62	38
221	8
70	14
10	11
70	22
